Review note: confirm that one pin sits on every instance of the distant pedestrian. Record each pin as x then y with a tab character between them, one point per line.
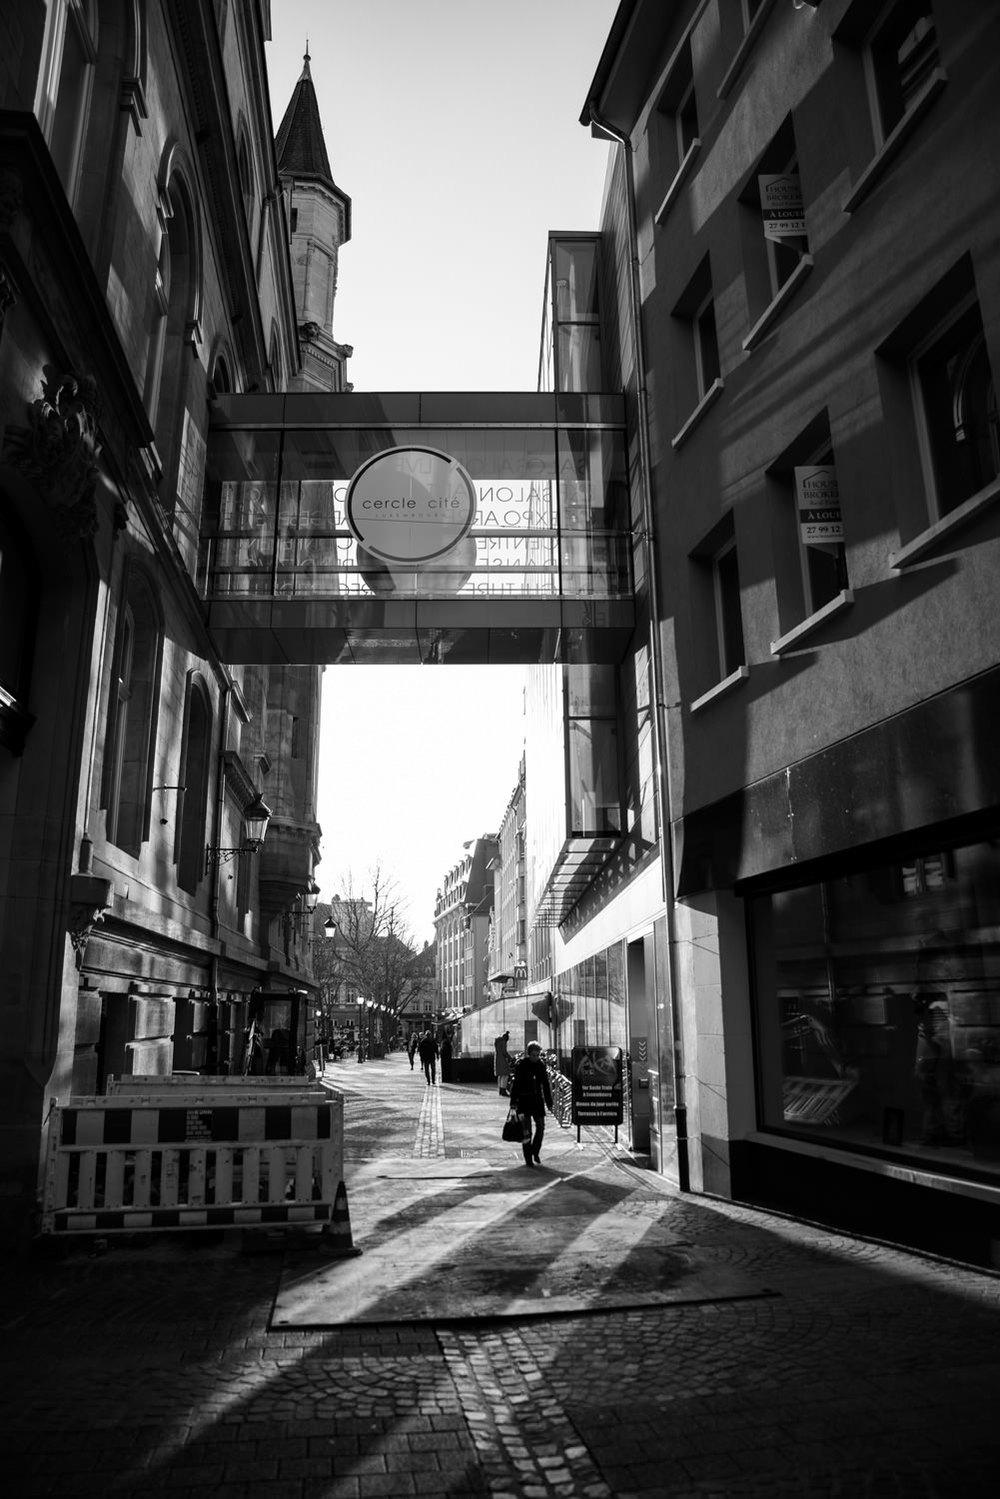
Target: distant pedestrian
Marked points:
428	1049
501	1062
411	1049
446	1050
531	1094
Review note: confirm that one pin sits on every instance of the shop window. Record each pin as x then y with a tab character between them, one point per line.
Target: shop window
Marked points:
133	704
878	1014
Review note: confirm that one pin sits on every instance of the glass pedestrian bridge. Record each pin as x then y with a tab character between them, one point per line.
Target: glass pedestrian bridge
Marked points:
436	527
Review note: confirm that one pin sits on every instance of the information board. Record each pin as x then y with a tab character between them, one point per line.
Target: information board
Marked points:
596	1081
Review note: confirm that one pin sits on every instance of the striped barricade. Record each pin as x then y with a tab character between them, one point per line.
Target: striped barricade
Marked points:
180	1159
187	1082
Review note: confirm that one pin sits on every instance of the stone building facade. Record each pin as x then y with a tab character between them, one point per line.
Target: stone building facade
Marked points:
145	268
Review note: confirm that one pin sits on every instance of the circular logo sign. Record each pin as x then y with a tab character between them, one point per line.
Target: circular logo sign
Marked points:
410	504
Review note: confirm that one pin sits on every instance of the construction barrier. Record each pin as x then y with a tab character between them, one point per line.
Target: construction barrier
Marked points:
196	1082
186	1157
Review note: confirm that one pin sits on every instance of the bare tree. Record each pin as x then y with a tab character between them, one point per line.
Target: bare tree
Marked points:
371	953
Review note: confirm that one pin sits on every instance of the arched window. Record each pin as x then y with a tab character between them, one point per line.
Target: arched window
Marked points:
246	180
65	83
274	360
175	325
222	380
196	762
132	714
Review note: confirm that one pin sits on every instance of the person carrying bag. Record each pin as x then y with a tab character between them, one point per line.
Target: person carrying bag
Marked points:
516	1127
530	1096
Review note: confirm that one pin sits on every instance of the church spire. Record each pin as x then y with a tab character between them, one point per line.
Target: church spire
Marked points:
300	146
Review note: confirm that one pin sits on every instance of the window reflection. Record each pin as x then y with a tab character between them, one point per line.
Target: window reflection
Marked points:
879	1008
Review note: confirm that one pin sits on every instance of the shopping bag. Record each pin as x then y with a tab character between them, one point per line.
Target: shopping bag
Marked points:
514	1127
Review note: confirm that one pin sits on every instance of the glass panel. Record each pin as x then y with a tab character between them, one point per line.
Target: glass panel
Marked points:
593	488
575	264
578	357
959	399
731	645
590	691
904	54
826	568
879	1008
593	777
296	541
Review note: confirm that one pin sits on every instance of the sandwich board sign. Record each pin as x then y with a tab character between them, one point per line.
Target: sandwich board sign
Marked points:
596	1080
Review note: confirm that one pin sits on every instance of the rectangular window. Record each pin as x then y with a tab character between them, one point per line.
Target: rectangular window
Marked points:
878	1009
810	554
772	222
957	403
676	120
902	54
938	393
706	346
717	644
728	612
695	345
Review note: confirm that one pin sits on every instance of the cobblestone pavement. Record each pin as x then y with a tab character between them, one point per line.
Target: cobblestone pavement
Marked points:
156	1366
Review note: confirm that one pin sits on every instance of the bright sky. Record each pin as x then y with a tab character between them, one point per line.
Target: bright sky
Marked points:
453	127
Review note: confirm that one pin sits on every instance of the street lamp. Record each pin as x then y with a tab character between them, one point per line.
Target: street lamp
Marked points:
362	1037
256	816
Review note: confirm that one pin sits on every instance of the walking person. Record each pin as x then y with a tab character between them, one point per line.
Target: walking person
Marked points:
428	1049
411	1047
446	1051
501	1062
531	1094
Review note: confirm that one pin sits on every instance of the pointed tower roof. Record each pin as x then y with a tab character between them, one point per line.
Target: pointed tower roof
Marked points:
300	145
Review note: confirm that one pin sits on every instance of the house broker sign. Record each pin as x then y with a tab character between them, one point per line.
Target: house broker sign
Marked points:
596	1081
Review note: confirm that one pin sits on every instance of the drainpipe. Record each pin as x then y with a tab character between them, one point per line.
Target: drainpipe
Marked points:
220	801
655	651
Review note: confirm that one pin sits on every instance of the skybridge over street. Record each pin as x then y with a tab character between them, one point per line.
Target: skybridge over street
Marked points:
417	528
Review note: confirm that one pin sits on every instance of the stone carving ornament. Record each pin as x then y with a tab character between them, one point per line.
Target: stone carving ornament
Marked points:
58	450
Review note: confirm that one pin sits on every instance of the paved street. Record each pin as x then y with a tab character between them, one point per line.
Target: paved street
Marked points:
579	1330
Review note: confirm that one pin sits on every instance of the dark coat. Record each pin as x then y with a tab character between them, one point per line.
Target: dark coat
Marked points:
529	1087
428	1048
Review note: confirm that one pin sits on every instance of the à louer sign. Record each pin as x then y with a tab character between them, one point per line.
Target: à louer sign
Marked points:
410	505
